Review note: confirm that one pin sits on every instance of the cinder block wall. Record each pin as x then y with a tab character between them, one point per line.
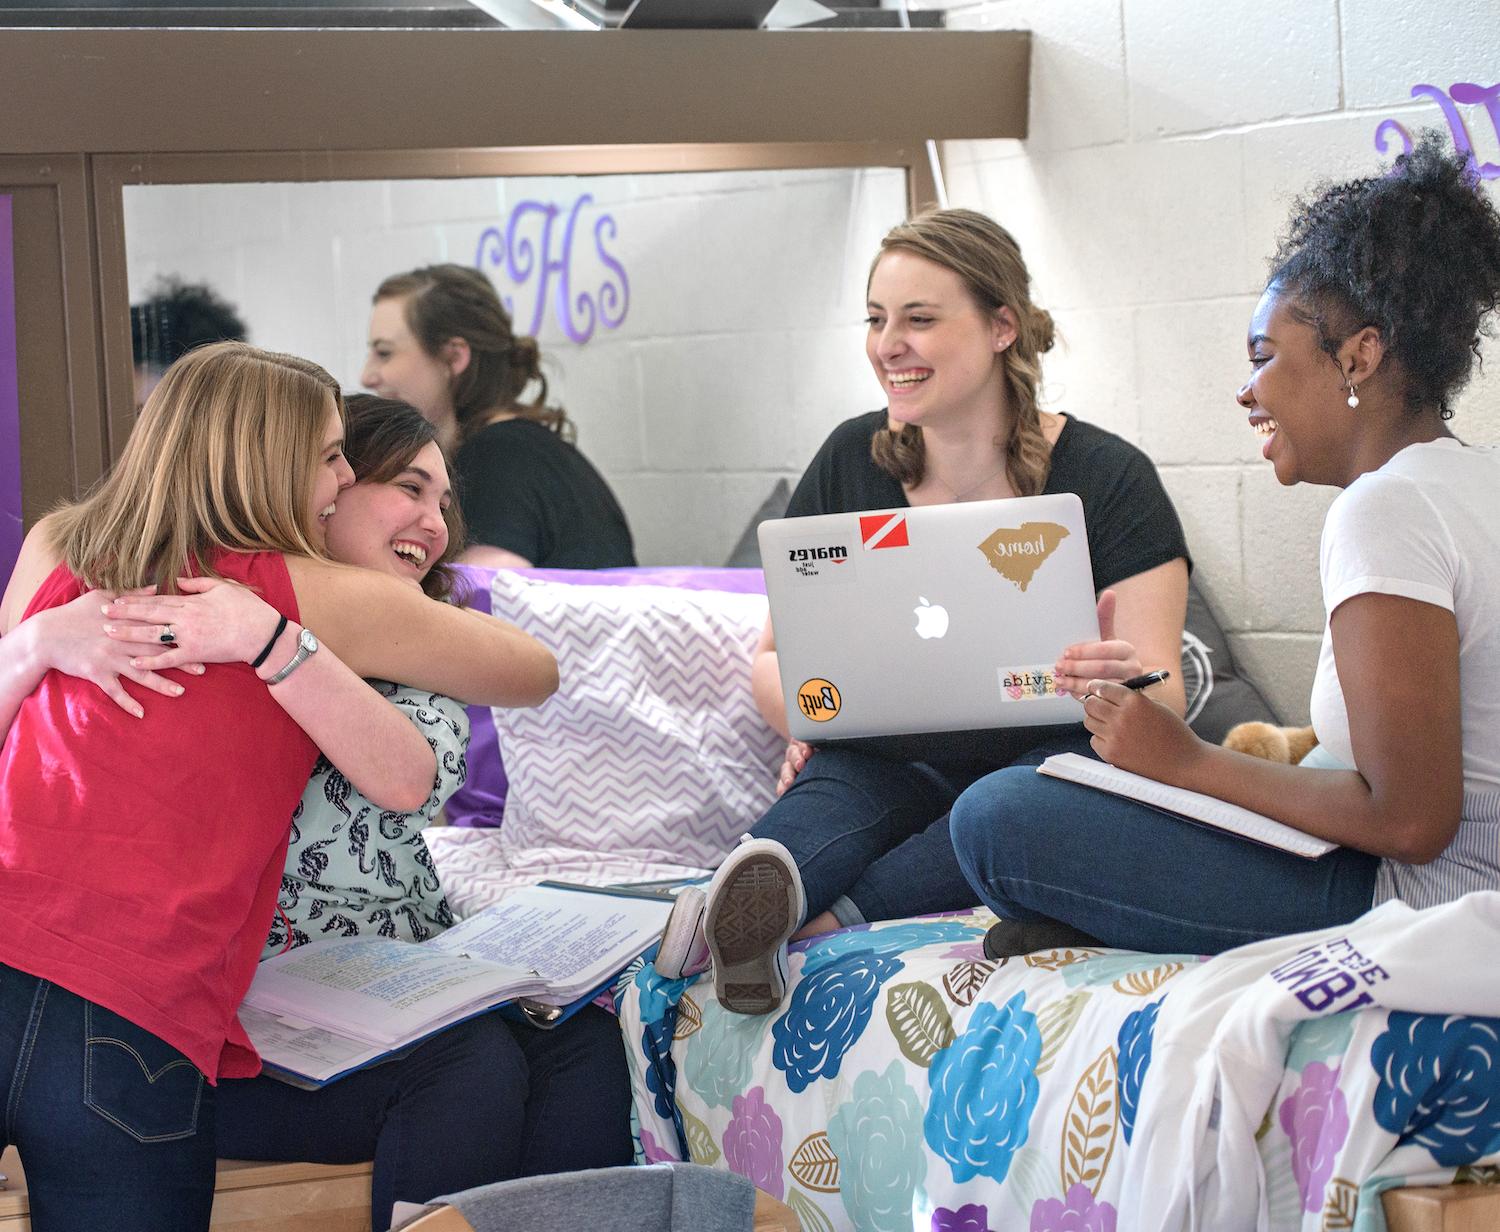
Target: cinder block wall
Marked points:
1166	140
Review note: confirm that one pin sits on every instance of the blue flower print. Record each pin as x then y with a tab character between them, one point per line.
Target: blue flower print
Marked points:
661	1069
877	1136
896	939
984	1090
1134	1042
828	1010
1440	1084
658	994
721	1054
1320	1039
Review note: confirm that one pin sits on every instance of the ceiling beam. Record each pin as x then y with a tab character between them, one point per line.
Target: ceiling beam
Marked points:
120	91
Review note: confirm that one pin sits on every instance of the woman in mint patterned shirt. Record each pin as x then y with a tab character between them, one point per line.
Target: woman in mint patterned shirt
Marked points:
485	1100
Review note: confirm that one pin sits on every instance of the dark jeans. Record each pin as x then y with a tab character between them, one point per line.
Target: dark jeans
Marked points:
485	1101
114	1126
875	830
1140	879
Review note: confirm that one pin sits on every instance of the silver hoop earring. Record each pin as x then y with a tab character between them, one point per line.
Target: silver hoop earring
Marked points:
1353	397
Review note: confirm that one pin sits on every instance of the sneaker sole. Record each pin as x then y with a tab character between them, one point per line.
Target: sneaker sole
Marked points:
749	922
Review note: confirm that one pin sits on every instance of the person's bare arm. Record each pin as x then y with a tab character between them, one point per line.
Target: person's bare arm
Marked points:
373	744
1397	661
487	556
1140	630
765	682
387	629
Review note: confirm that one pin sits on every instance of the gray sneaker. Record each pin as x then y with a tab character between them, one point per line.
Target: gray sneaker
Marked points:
754	904
683	950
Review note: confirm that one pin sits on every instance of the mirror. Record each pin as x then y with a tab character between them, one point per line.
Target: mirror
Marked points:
704	330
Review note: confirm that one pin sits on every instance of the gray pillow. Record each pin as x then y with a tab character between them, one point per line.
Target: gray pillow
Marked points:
746	554
1218	696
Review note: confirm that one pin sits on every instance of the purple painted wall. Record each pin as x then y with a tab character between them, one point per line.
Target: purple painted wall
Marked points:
10	406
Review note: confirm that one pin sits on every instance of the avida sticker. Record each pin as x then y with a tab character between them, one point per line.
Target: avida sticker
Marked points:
1027	684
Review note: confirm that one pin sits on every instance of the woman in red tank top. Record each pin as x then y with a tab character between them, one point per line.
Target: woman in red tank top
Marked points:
141	851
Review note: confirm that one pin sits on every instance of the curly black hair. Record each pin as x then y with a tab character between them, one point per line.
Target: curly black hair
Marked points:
1414	252
178	317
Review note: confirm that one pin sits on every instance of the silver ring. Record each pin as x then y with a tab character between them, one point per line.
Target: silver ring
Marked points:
167	634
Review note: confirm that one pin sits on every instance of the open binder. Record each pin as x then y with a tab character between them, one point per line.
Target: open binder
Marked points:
327	1009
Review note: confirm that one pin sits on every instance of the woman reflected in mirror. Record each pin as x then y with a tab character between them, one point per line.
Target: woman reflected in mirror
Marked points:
441	340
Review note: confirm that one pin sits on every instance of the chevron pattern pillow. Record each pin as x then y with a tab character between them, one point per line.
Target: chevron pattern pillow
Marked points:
652	747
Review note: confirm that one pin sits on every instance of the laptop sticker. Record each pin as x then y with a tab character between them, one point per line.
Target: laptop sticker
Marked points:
1017	554
824	561
1027	684
819	699
883	530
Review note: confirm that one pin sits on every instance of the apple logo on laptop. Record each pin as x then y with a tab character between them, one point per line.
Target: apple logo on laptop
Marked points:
932	619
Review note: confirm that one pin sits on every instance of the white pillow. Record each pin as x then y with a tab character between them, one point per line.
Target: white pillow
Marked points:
652	745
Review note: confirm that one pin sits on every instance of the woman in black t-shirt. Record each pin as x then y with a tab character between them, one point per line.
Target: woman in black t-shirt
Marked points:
956	344
441	341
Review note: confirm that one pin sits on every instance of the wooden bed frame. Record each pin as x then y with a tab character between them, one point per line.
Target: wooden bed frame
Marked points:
257	1197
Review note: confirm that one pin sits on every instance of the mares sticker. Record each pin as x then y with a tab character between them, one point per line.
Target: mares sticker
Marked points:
819	700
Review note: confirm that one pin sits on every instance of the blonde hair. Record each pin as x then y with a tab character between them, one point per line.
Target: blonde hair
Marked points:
222	456
988	259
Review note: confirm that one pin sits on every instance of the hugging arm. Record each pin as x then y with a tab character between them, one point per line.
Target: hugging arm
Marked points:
388	629
1398	665
68	638
371	742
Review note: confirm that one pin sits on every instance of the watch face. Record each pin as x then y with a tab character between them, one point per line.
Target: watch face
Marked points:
307	641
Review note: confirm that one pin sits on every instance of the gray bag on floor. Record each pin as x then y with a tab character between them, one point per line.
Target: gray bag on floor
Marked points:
655	1198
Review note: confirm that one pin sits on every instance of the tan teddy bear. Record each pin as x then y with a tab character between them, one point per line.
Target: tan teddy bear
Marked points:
1283	744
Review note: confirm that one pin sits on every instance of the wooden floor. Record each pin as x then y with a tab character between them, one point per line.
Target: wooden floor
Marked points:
249	1197
254	1197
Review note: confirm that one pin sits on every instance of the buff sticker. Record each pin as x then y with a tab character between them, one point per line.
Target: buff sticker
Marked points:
819	699
1027	684
1016	554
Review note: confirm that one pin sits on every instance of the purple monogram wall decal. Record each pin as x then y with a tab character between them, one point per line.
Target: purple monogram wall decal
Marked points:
1460	93
531	252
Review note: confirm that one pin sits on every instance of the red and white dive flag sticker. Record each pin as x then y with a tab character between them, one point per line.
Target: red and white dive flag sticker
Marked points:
884	530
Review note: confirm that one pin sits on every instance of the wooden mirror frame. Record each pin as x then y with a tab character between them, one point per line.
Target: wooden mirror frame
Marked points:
89	112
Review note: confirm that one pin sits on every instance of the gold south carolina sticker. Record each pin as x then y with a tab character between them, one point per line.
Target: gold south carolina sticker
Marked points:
819	699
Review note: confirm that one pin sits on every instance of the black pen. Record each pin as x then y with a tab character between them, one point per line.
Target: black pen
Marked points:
1146	681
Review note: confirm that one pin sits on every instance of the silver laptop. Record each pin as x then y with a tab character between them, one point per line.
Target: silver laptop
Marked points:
941	618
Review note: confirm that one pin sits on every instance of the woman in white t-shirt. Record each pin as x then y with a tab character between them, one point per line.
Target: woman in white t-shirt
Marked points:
1367	330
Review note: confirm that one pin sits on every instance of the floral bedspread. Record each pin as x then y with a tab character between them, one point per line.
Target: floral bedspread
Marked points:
909	1083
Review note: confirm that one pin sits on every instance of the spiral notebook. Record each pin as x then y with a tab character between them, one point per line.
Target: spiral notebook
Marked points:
1189	805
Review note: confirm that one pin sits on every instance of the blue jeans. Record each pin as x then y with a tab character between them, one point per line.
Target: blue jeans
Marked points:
1138	878
114	1126
875	830
485	1101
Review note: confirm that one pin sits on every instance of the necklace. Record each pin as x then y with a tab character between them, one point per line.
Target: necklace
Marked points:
960	495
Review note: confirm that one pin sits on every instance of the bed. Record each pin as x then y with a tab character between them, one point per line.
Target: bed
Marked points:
909	1083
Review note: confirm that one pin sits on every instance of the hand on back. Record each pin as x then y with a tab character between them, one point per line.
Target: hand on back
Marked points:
212	621
75	643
